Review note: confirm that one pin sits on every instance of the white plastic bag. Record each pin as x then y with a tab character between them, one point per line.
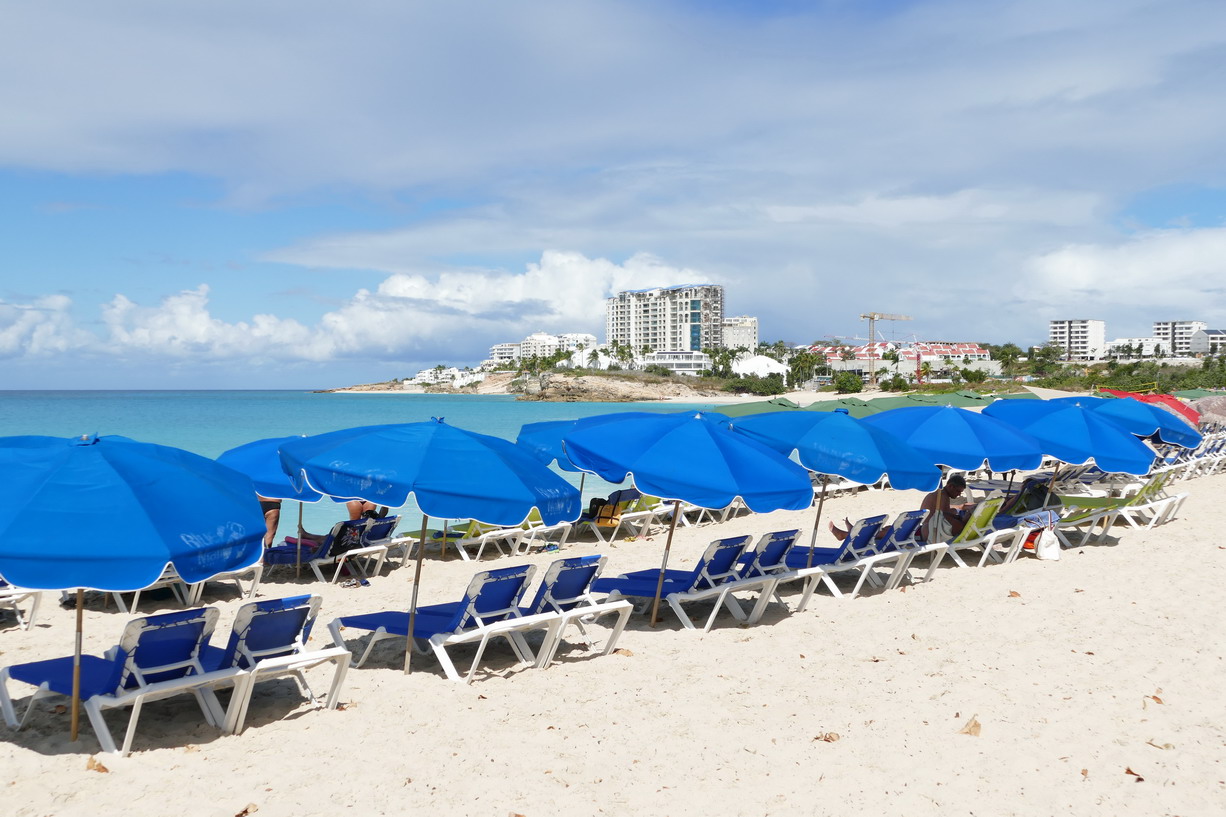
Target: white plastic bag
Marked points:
1047	546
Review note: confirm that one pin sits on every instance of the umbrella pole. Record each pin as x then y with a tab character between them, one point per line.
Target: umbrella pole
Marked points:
655	605
421	552
298	549
76	667
821	500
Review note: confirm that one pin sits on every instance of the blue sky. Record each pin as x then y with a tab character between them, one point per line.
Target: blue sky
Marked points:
306	194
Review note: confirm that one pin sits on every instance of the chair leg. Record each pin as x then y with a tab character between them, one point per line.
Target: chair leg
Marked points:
94	711
679	609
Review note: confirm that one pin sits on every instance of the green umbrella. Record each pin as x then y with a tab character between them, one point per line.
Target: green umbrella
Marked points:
759	407
855	407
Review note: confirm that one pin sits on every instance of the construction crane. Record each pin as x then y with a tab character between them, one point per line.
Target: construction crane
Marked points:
872	318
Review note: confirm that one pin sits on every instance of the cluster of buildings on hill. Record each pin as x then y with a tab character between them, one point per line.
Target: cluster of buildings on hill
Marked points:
670	327
1083	339
664	326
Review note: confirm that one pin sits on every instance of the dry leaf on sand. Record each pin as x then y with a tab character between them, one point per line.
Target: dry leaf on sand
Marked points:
623	651
1013	594
828	737
92	765
250	808
972	727
1128	770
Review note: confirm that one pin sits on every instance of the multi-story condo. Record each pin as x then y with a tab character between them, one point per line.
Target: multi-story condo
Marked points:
540	344
504	352
1176	336
1080	339
689	317
741	330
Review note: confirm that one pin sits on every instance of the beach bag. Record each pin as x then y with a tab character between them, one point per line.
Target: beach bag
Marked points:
348	539
1046	545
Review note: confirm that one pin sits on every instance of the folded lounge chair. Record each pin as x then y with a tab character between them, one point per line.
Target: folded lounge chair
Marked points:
489	609
157	657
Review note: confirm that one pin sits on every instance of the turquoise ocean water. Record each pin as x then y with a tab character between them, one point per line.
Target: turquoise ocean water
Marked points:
210	422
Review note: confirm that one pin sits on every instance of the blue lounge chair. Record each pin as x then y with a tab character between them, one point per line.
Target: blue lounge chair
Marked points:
566	590
717	566
341	547
769	556
760	568
268	640
157	657
902	538
819	564
490	608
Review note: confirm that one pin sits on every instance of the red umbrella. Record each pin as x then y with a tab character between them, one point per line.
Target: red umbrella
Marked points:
1173	403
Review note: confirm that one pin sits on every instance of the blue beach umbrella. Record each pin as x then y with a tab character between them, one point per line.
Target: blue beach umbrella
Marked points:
692	458
1077	435
1142	419
839	445
960	439
836	444
544	440
261	461
452	473
143	506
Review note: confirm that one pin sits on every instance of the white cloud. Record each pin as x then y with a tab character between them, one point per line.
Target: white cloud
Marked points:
40	329
458	314
1162	274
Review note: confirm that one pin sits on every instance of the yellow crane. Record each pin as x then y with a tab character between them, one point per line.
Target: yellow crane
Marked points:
872	318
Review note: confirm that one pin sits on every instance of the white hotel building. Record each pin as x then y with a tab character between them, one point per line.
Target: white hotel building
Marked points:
540	344
689	317
741	331
1080	339
1176	336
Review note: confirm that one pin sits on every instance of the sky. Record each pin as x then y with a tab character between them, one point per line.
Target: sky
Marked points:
303	194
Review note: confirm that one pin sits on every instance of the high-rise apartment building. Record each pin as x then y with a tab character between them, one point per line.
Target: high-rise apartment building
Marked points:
1080	339
741	331
689	317
1176	336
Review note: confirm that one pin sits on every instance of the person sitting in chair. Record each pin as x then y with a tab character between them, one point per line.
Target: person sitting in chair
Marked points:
945	520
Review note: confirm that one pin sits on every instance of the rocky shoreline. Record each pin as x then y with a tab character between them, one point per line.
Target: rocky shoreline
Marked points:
552	387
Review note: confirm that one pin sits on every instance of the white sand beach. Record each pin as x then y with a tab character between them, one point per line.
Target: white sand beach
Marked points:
1095	681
